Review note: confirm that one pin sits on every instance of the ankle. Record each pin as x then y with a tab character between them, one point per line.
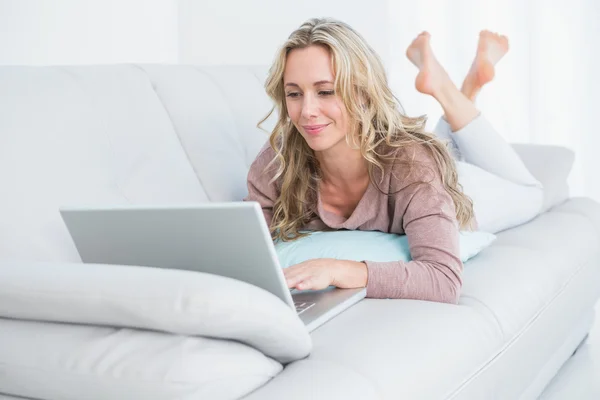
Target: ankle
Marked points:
470	94
469	89
446	92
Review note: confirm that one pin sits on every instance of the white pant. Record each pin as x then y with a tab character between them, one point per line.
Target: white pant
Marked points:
504	192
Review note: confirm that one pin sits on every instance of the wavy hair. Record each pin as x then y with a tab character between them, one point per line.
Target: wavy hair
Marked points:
361	82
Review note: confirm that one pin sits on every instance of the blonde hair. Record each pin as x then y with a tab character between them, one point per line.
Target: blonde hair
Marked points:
361	82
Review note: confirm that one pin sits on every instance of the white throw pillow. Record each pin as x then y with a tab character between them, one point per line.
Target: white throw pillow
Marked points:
174	301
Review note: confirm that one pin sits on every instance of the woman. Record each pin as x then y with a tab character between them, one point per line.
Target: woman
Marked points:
343	156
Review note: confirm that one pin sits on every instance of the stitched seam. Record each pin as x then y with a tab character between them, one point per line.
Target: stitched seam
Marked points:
486	307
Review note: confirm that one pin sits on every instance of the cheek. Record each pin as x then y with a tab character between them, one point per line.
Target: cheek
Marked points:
294	110
337	113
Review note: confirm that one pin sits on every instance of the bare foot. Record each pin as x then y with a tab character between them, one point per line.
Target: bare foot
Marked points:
490	49
432	76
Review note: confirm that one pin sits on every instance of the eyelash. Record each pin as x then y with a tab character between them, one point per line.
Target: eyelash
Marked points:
322	92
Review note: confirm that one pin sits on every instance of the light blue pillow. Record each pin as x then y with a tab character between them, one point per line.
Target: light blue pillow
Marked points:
366	246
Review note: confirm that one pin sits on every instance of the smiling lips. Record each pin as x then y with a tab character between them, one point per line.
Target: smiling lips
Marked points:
314	129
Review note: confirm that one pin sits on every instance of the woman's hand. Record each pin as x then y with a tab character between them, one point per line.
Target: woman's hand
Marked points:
320	273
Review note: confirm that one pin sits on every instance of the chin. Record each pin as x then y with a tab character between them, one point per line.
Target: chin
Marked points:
317	144
322	142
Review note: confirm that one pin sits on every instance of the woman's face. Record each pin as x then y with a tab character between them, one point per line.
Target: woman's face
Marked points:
314	108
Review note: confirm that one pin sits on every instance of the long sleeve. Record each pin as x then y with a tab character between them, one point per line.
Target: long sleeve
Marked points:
425	212
259	188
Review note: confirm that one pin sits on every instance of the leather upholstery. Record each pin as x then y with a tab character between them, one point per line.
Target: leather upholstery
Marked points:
183	134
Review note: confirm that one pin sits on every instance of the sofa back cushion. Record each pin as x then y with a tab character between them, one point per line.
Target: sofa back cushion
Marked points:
215	110
552	166
108	135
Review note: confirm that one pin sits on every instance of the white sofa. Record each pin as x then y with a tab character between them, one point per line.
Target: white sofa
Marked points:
158	134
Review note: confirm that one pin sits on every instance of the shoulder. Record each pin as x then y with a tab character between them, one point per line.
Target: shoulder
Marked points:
265	155
263	163
263	169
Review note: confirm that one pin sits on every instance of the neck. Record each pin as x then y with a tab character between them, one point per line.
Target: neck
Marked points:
342	166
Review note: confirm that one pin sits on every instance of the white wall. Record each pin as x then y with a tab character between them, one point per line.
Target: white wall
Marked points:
250	32
545	90
55	32
454	44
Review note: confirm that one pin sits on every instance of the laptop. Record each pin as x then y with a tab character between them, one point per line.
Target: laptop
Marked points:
229	239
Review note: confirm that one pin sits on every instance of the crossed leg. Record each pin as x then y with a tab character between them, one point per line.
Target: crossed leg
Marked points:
503	190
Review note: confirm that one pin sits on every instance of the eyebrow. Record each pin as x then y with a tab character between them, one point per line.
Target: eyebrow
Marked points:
314	84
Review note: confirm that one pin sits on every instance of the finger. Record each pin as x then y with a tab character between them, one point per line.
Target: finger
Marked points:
292	271
295	271
306	284
292	281
312	283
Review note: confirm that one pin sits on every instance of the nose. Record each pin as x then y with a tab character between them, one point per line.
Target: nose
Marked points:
310	107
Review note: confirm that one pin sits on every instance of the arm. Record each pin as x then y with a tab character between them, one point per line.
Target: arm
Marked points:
435	269
426	213
434	273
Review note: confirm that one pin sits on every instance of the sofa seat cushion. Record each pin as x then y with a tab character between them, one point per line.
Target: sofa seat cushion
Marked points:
401	347
415	349
319	380
527	266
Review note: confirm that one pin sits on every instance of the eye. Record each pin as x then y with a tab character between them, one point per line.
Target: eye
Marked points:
326	92
293	94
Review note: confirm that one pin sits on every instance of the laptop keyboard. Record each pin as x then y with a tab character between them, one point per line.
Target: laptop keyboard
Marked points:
302	306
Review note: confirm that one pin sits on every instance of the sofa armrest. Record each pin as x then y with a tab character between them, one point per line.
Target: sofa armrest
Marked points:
47	360
173	301
551	165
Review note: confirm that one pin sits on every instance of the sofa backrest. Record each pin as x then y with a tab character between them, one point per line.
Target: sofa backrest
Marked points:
119	134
